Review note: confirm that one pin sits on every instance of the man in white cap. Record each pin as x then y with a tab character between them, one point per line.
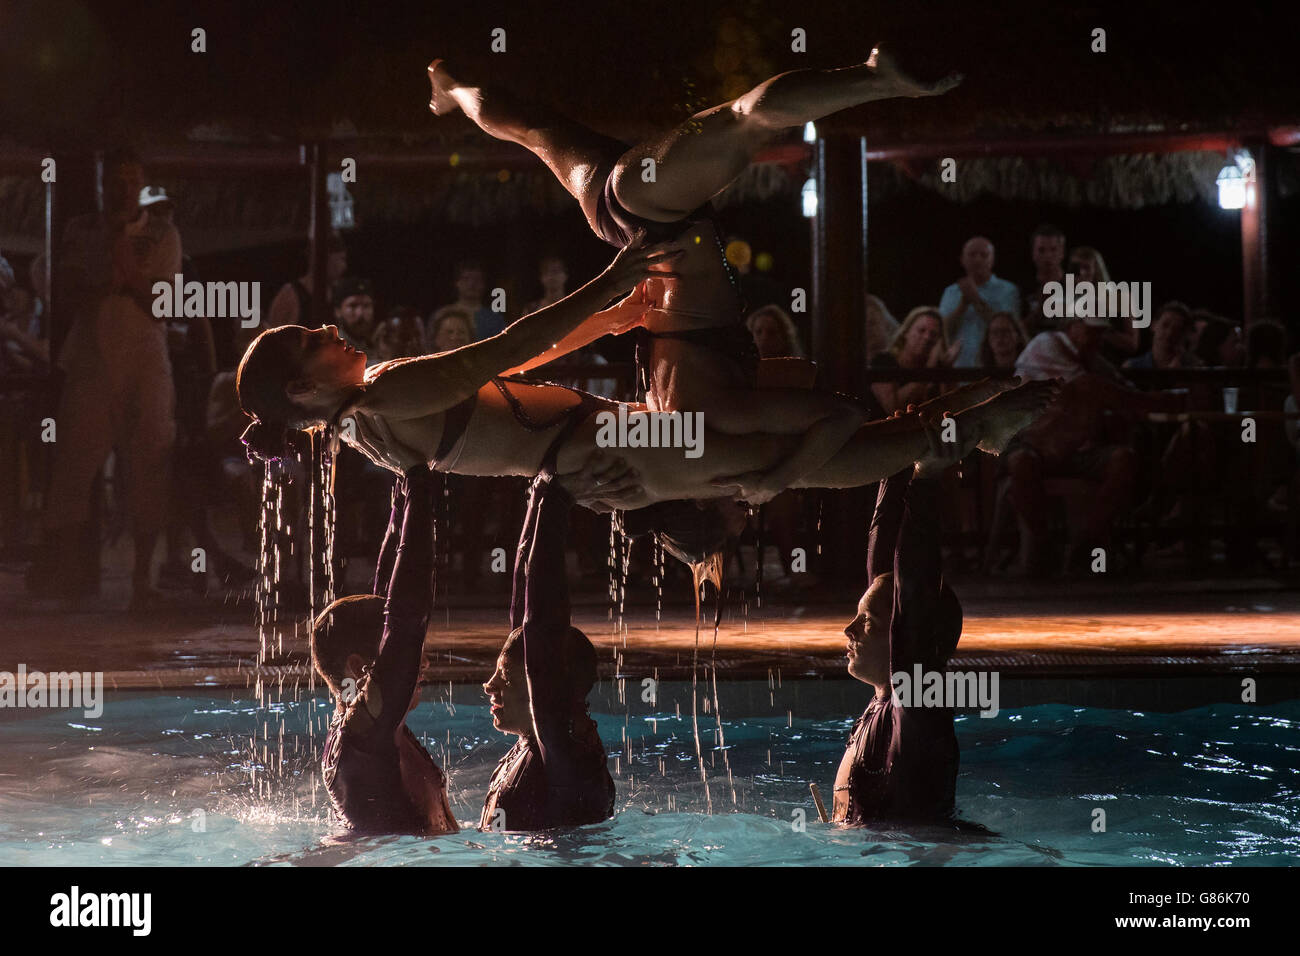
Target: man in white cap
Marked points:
1069	440
118	389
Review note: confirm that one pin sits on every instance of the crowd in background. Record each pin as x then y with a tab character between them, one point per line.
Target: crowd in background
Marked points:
148	423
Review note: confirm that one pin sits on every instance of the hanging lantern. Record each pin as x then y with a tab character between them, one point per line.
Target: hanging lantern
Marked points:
1232	187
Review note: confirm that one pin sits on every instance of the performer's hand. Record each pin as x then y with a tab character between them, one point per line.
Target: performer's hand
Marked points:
631	265
378	444
604	483
941	454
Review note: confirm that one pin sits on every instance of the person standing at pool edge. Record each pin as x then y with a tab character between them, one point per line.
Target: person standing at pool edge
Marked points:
901	761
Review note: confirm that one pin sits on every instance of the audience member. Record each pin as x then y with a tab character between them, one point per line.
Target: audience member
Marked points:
969	303
1047	249
1003	342
881	326
919	343
292	305
1170	335
471	287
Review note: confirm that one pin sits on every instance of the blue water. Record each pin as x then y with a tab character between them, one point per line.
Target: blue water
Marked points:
162	778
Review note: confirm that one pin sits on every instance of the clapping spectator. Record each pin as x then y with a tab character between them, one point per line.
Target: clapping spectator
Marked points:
919	343
1047	249
969	303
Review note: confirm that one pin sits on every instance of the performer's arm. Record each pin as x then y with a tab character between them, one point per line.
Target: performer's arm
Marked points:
617	319
546	622
388	549
414	388
882	539
406	614
918	575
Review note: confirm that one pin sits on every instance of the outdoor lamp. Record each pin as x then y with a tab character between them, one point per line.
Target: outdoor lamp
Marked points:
809	194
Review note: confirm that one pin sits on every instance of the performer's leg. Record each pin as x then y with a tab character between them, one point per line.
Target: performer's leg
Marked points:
699	158
579	157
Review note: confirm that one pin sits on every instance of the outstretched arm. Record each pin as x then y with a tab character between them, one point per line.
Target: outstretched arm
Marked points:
617	319
882	540
416	387
406	613
545	617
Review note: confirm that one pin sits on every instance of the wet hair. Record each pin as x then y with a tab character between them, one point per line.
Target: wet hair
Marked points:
272	360
577	658
689	533
351	625
948	620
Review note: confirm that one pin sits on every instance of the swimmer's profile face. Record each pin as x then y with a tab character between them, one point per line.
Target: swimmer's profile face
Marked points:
867	648
328	369
508	692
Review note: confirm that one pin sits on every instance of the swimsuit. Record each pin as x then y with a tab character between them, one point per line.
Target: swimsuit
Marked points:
362	762
619	227
556	776
903	760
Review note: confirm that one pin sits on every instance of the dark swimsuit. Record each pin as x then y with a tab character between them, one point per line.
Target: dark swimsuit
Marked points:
362	760
557	776
904	759
456	419
619	227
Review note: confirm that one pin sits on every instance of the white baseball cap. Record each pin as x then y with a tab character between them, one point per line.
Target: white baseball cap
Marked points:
153	194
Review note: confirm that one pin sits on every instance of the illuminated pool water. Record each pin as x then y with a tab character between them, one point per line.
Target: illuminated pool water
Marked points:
162	778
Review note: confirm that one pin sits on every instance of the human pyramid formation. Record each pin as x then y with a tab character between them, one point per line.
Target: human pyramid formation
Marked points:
465	412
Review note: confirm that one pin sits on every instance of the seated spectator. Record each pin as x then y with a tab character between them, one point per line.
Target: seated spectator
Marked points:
774	333
919	343
1122	342
449	328
1170	333
471	287
354	312
969	303
1069	440
23	346
1218	342
553	275
881	326
1003	342
1047	248
400	336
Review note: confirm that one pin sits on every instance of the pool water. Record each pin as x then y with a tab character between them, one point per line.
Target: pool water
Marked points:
166	778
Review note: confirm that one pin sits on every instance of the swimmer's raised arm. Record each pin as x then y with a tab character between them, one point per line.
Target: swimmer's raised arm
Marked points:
413	388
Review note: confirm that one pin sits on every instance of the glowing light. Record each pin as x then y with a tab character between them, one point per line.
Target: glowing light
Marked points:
454	159
1232	188
810	132
809	196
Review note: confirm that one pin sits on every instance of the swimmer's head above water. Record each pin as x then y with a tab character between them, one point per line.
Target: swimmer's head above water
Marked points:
293	377
345	642
508	687
868	633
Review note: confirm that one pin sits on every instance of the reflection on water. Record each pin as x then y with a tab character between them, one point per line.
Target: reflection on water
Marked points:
162	778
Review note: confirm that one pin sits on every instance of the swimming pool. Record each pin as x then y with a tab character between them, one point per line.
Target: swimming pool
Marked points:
164	778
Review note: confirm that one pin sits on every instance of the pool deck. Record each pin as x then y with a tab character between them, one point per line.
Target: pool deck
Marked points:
1085	629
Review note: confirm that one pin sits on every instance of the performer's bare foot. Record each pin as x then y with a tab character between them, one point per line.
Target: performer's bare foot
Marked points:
441	102
1000	418
893	81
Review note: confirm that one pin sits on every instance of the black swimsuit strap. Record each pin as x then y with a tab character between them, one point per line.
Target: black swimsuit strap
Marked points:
454	423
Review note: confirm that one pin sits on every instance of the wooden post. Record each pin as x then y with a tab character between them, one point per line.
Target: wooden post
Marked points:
1256	285
839	328
320	233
